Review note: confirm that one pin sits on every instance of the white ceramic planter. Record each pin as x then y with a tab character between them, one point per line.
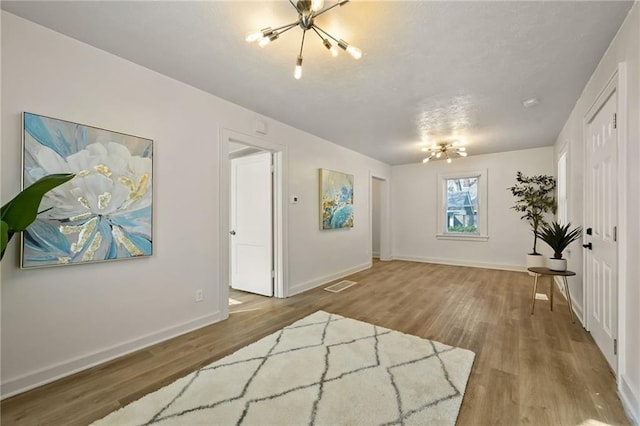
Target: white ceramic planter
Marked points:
535	261
557	264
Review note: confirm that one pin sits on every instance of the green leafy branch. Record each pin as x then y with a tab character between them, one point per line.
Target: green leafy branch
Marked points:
534	197
21	211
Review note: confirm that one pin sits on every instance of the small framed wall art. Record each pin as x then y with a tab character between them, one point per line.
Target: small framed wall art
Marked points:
336	200
105	212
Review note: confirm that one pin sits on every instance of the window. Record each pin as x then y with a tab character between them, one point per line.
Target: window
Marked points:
462	205
462	209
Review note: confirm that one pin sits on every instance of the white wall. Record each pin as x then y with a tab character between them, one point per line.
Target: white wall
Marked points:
310	249
61	319
414	195
624	48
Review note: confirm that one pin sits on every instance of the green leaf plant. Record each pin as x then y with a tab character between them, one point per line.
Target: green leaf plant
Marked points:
21	211
559	237
534	198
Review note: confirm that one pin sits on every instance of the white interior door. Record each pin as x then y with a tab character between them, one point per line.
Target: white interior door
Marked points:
601	212
251	224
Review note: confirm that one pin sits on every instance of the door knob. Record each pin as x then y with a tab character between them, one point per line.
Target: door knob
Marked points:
588	246
232	232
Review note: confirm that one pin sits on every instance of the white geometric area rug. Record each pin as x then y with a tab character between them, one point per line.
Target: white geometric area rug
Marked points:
322	370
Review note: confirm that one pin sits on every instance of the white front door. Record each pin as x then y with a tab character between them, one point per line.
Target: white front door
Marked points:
251	224
601	217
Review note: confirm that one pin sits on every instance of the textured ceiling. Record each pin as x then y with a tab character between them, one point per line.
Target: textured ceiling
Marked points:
430	71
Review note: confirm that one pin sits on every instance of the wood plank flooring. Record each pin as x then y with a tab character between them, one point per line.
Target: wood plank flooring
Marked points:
240	302
531	370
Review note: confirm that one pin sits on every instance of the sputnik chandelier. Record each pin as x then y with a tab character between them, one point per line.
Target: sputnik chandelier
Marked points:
308	11
443	151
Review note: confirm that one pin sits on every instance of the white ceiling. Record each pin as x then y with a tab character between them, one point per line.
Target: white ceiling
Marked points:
431	71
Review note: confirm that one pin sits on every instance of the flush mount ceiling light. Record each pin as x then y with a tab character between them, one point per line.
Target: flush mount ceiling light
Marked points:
444	151
307	12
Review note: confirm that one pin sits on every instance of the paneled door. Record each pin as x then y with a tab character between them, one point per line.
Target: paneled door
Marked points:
251	224
601	217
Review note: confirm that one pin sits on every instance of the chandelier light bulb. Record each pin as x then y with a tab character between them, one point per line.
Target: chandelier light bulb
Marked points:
355	52
257	35
253	37
424	149
316	5
438	155
271	36
426	160
297	73
449	160
463	154
264	41
330	47
462	148
352	50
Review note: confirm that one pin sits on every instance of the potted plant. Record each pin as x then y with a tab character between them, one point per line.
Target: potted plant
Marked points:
21	211
534	199
558	237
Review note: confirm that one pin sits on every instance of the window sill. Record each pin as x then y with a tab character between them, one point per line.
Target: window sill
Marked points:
462	237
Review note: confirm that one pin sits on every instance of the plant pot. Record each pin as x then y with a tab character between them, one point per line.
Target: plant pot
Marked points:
535	261
557	264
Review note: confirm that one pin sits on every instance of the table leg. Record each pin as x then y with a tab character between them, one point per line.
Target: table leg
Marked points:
566	289
551	285
533	293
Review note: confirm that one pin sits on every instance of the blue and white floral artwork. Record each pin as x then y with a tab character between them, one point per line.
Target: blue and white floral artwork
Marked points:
105	212
336	200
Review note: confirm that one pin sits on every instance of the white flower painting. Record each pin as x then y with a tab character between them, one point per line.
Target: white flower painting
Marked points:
105	212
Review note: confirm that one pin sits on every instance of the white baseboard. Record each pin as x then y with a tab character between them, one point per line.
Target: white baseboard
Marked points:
299	288
376	254
54	372
460	262
630	401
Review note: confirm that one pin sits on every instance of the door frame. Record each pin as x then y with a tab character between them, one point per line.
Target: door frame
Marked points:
280	247
617	84
385	232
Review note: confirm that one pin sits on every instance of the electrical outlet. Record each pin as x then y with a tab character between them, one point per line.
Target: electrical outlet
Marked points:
199	295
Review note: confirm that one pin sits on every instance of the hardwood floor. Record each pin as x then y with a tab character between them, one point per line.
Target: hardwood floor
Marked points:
533	370
240	301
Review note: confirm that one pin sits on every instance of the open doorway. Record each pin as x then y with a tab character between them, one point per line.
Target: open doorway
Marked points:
252	214
376	187
379	218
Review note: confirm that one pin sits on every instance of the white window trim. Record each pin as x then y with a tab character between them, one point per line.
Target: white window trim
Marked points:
563	214
483	234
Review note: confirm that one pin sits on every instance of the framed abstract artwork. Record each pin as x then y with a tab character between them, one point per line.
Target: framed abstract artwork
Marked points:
105	212
336	200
